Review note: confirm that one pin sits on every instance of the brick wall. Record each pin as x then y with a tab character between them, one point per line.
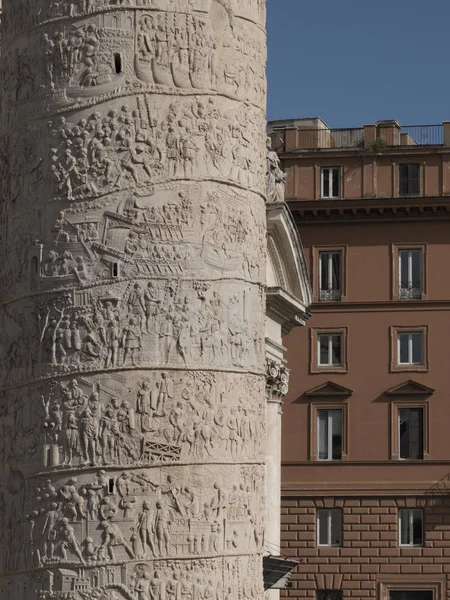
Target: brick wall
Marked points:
370	559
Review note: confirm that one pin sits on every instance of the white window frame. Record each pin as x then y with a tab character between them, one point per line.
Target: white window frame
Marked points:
410	335
330	349
410	252
329	515
409	512
329	267
330	433
333	172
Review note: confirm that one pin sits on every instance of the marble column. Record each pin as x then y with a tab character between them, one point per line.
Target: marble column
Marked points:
132	272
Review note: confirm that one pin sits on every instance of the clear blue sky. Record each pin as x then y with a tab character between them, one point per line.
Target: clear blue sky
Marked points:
353	62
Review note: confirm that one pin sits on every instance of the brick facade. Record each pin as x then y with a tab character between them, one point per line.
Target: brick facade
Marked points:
370	560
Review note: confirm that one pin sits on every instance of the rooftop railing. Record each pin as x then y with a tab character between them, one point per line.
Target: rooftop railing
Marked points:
309	139
423	135
370	137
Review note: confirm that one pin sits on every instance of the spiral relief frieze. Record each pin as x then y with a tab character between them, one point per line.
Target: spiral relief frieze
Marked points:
132	271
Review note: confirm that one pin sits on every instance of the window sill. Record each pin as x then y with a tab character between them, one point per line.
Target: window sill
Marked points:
318	370
409	369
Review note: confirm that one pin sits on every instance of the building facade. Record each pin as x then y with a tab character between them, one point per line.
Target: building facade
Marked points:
365	450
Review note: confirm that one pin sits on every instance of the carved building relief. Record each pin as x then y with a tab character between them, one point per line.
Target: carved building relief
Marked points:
132	299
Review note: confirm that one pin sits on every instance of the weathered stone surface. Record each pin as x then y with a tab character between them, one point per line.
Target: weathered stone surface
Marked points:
133	252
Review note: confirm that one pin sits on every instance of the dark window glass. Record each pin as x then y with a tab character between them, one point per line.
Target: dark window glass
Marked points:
417	527
410	595
330	275
416	348
411	432
329	527
330	182
336	439
329	434
326	183
336	348
330	350
409	179
410	273
411	527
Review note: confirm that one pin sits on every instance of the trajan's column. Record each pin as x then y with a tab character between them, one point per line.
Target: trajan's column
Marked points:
132	241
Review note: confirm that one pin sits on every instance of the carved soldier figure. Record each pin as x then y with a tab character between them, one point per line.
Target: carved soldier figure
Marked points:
165	392
70	436
162	522
144	531
88	435
145	407
143	587
155	587
151	302
132	341
49	531
112	537
67	541
112	344
107	436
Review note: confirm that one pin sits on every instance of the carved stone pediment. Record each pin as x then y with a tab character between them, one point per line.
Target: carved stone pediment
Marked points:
329	390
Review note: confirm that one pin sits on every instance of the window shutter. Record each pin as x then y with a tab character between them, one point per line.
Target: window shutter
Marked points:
416	433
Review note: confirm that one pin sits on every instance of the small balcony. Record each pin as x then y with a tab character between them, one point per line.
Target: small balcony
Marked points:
314	135
411	291
329	295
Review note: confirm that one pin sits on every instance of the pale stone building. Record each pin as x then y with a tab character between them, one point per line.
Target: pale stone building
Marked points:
133	242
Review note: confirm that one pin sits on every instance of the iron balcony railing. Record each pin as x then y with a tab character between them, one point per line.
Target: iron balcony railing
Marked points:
326	295
422	135
411	291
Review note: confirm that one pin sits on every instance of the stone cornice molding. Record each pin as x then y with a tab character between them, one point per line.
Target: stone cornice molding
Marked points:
370	210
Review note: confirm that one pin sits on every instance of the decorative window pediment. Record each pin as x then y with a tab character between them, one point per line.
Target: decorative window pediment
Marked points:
328	390
410	388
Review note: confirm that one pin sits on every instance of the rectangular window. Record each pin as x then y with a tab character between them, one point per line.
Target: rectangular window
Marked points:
329	434
410	525
410	273
410	348
329	527
330	182
409	179
410	433
330	275
329	349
